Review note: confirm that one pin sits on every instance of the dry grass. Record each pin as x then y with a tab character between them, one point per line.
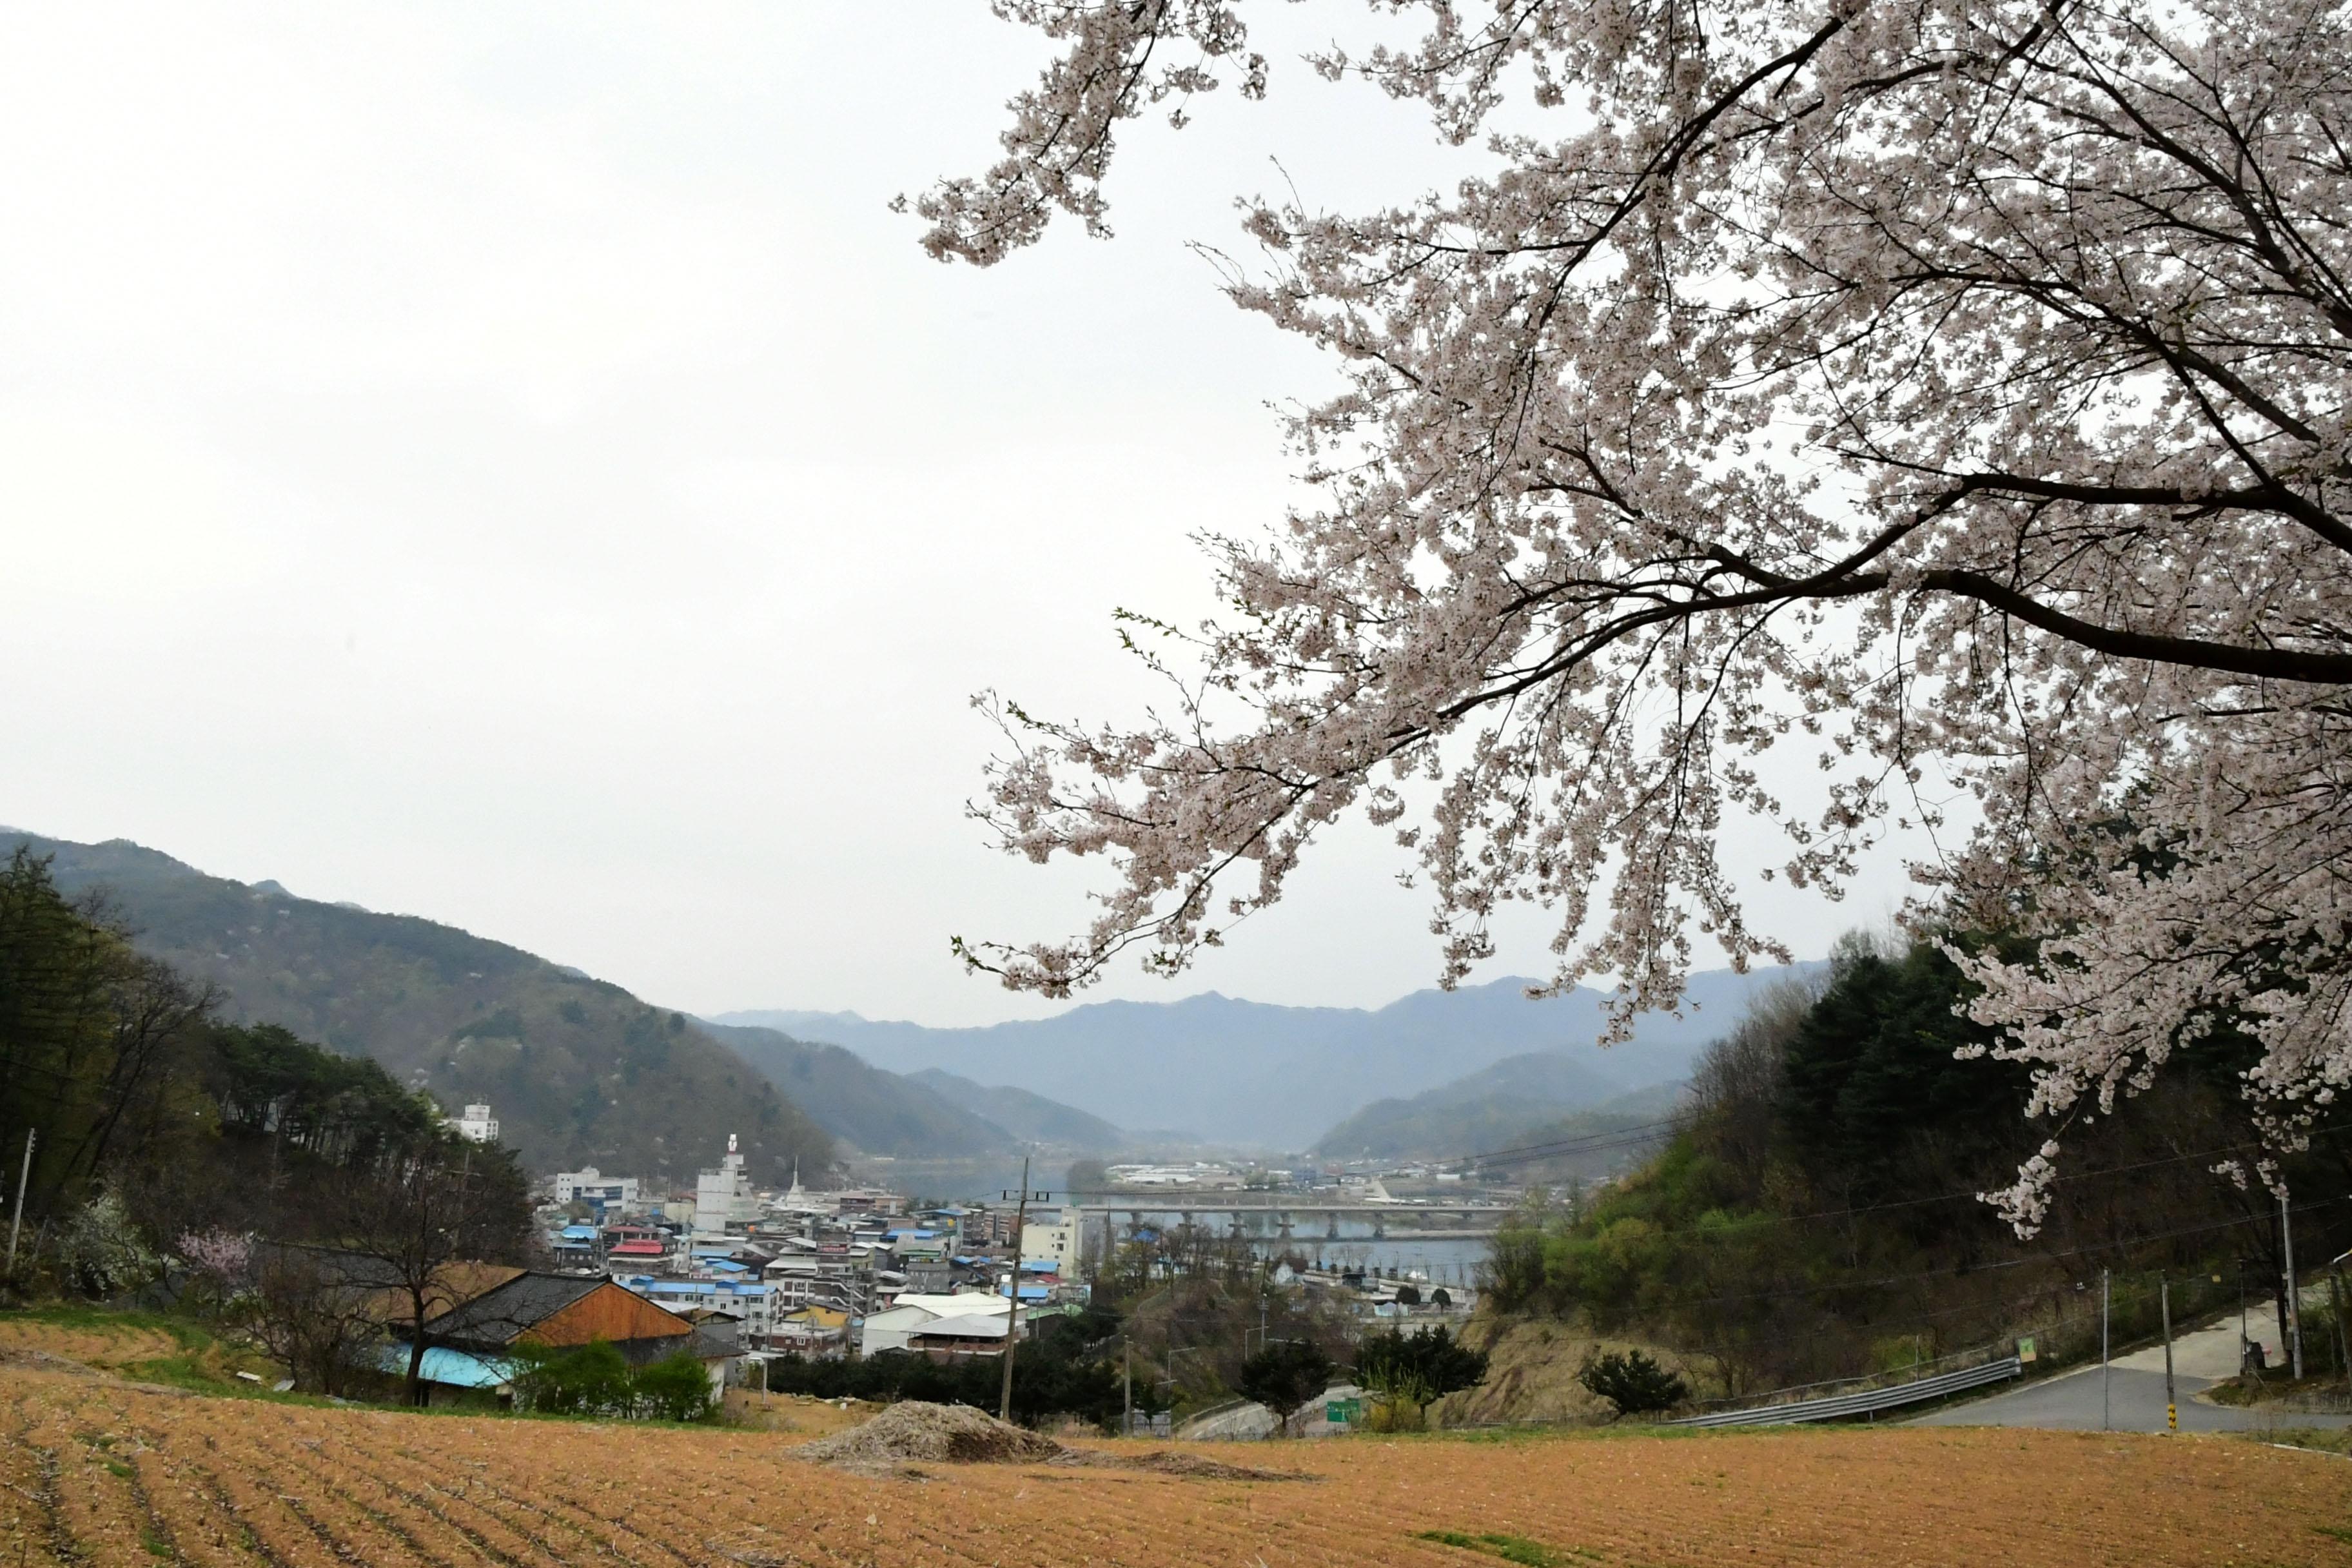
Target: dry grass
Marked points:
94	1344
799	1415
96	1472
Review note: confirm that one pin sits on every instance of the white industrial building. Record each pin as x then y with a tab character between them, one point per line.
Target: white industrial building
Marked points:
589	1186
1055	1242
476	1126
949	1322
723	1199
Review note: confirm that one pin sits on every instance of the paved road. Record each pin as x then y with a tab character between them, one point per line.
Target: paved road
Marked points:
2134	1395
1249	1423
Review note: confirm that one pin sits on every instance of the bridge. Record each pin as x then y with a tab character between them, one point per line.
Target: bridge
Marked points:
1391	1221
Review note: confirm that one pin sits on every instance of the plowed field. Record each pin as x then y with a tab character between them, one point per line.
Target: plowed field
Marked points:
96	1472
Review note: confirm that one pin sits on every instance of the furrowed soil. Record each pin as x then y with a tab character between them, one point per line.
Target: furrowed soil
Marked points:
97	1471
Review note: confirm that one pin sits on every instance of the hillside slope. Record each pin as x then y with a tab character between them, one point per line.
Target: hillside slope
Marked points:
577	1070
1031	1117
1248	1072
1489	1109
880	1112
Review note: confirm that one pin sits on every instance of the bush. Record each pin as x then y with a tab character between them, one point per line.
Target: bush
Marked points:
102	1254
674	1388
1632	1382
588	1380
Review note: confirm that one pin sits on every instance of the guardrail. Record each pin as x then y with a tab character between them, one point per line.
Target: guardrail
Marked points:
1866	1402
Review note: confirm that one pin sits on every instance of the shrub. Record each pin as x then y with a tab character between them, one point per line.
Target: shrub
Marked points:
674	1388
1632	1382
588	1380
102	1253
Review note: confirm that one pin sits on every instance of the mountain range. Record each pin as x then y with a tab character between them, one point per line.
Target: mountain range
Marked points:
1251	1073
578	1070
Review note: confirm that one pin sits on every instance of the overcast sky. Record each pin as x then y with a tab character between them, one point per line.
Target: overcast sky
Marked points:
506	464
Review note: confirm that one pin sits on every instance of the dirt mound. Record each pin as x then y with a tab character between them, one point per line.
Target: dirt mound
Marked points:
1161	1463
912	1431
894	1442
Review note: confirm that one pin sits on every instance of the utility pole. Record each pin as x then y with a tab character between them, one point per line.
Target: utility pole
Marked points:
2343	1329
24	1180
1126	1386
2245	1351
2171	1409
1013	1315
2107	1378
2294	1308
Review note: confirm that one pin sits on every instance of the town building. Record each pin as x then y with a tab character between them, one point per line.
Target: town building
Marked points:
471	1348
723	1198
589	1186
750	1304
948	1320
475	1126
1054	1241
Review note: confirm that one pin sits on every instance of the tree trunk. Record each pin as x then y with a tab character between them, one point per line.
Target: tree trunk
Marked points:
414	1391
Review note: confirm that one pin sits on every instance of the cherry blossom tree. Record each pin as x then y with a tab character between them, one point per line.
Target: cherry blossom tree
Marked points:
1956	391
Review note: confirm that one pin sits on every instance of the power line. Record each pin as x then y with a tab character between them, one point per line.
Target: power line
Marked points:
1640	1131
1988	1268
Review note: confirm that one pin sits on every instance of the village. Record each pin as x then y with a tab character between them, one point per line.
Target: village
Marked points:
740	1276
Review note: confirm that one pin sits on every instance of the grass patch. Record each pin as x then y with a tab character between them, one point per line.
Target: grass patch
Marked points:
1516	1549
2269	1388
191	1337
2335	1532
2326	1439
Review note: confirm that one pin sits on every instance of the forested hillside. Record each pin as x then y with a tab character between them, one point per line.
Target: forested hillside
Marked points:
1494	1108
155	1124
578	1071
1817	1213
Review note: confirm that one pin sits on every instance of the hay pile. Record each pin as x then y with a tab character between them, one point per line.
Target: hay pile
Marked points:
912	1431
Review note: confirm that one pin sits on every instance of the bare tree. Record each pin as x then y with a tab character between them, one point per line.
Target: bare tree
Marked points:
411	1214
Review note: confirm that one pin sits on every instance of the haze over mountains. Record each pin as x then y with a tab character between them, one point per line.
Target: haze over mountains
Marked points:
1252	1073
581	1072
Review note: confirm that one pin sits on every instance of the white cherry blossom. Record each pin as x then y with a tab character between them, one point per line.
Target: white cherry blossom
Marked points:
1956	390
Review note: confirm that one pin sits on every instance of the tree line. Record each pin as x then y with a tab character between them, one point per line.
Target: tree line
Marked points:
1817	1211
175	1151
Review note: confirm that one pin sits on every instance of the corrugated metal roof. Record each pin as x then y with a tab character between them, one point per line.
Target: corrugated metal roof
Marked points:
991	1327
452	1368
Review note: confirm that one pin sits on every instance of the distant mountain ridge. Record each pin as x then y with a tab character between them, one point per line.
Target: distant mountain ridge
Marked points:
932	1115
1031	1117
1252	1073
